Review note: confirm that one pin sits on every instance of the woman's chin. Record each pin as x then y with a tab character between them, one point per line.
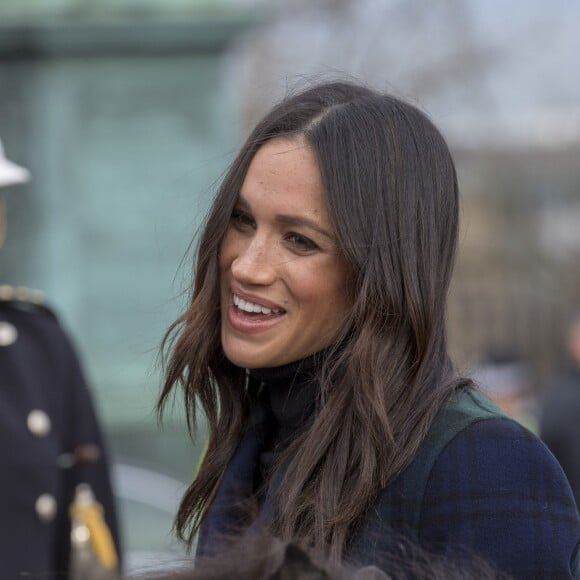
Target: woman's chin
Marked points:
253	360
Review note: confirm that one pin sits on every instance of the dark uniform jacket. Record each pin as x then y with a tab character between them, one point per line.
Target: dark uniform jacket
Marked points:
479	482
560	425
49	442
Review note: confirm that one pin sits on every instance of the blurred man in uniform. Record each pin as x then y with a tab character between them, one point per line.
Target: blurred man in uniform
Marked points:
560	417
50	442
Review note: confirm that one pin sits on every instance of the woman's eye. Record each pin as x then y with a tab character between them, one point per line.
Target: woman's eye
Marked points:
241	219
301	242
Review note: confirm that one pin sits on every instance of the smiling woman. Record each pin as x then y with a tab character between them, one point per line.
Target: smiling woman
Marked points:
283	280
315	344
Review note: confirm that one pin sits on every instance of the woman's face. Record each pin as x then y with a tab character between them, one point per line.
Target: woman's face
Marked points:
282	280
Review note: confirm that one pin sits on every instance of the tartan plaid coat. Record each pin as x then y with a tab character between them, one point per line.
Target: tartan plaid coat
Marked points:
480	482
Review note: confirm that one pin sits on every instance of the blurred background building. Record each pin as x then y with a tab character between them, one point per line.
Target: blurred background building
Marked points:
127	112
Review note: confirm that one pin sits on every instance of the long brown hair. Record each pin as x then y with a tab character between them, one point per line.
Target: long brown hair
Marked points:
391	192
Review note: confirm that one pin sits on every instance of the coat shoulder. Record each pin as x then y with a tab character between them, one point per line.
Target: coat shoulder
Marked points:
26	300
398	507
496	485
32	329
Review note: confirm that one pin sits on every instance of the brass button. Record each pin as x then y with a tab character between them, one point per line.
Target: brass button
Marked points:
38	423
8	334
45	507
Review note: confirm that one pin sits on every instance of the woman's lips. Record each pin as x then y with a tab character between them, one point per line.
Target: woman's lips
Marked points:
252	322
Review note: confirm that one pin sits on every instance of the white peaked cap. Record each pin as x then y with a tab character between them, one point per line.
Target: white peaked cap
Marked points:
10	173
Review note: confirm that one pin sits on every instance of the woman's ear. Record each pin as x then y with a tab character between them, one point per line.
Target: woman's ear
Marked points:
297	565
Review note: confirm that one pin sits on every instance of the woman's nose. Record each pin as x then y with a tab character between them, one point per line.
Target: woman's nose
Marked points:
255	263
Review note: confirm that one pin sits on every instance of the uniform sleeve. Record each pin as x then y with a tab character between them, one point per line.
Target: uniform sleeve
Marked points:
497	491
84	431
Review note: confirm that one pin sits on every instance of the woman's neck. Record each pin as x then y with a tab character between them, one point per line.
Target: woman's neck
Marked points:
290	392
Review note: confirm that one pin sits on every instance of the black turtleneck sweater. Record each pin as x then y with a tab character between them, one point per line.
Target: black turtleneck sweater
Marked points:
289	394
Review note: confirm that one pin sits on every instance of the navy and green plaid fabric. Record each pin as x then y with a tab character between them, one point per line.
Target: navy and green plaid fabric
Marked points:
498	490
480	484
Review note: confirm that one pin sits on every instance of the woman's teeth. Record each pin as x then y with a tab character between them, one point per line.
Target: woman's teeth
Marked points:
251	307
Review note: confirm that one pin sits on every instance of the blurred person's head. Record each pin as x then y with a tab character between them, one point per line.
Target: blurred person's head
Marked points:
334	228
11	174
573	340
505	379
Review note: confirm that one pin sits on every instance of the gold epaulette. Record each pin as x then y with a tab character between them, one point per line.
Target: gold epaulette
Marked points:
23	297
89	528
21	294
